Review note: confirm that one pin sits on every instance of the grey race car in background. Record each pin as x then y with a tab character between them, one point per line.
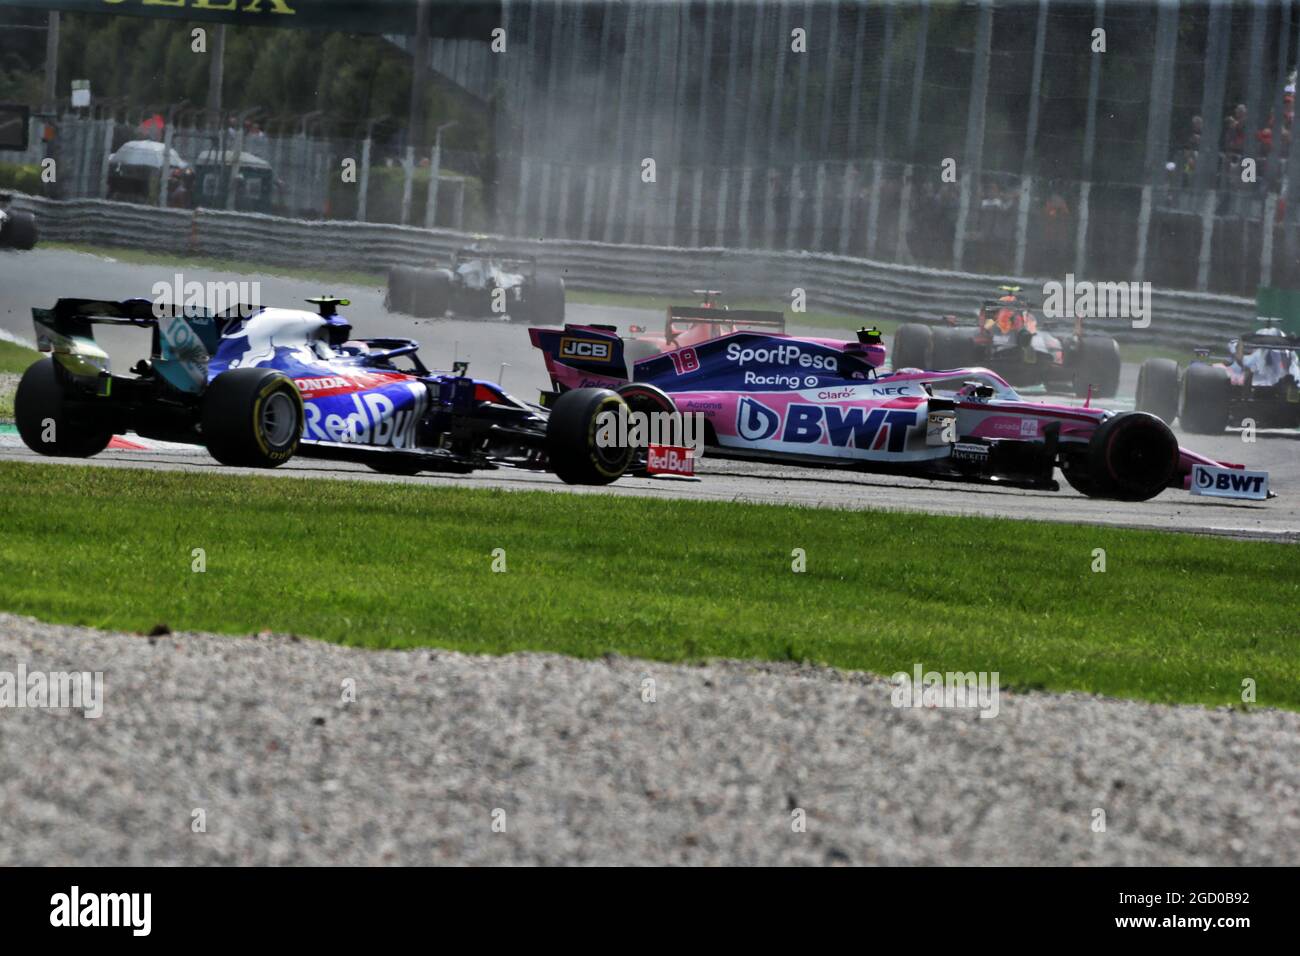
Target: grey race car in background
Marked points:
478	283
17	228
1257	380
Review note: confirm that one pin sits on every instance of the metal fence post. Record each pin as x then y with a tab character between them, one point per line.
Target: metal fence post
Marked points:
589	186
828	83
363	189
847	183
913	128
165	172
724	193
1208	178
794	215
1270	198
562	217
673	186
706	64
1089	149
1031	135
746	182
855	82
1162	81
873	214
1266	246
974	127
544	201
625	77
1292	187
521	209
103	162
232	190
769	209
697	194
431	199
408	183
819	207
903	251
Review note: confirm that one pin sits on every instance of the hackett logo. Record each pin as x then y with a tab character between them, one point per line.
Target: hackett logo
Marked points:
248	6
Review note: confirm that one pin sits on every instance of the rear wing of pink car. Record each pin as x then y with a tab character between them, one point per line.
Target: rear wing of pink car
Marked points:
582	356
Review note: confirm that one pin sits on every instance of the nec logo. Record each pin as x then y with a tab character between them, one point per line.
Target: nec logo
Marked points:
589	350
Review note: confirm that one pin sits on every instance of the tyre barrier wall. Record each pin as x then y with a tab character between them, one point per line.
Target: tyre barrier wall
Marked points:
872	291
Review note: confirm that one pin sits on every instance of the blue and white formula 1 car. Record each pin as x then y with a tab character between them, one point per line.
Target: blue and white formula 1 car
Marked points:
258	386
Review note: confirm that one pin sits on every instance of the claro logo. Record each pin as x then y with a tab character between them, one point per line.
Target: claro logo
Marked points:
589	350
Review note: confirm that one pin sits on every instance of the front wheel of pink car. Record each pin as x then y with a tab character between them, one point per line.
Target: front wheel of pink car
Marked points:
1130	457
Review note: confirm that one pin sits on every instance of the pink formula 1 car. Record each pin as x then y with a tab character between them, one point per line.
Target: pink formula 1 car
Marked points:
812	401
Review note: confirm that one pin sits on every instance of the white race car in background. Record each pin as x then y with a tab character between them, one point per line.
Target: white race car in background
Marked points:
17	228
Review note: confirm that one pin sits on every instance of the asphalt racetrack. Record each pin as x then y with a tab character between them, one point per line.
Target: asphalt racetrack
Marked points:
500	351
437	746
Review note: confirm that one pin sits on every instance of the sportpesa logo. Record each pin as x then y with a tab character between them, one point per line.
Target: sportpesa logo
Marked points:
780	355
588	350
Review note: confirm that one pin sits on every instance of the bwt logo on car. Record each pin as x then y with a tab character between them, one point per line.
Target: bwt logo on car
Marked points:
843	427
781	355
373	418
1229	481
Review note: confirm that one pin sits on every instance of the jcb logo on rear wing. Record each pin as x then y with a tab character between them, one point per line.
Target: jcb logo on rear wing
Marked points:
588	350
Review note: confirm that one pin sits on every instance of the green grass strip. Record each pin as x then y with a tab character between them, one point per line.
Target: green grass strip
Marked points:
1176	618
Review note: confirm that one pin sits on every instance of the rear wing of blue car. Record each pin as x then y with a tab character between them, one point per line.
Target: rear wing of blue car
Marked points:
184	339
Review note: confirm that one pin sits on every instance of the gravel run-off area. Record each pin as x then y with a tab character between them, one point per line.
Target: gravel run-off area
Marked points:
251	750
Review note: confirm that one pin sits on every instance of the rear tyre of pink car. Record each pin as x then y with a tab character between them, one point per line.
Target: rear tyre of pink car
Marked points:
1131	457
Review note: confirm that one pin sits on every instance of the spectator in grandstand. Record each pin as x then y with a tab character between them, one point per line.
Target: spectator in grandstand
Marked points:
1056	224
1234	133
